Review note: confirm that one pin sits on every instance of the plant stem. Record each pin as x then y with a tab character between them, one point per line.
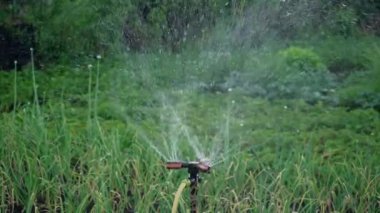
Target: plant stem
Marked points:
34	82
15	92
97	87
89	94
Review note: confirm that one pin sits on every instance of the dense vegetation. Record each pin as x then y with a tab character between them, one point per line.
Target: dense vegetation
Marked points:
292	87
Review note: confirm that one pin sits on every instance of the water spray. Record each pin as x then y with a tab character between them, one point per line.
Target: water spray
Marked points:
193	168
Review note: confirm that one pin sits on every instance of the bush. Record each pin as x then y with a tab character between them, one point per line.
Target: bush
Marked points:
359	96
361	89
344	56
342	20
374	66
294	73
302	59
76	28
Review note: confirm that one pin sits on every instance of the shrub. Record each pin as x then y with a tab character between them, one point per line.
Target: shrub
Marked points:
344	56
374	66
293	73
302	59
361	89
342	20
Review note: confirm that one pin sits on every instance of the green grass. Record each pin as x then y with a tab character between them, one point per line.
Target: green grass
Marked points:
304	156
74	156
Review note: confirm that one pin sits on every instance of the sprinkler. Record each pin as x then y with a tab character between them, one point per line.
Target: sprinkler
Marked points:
193	168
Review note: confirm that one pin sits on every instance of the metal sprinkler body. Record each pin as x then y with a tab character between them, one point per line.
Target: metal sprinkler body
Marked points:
193	168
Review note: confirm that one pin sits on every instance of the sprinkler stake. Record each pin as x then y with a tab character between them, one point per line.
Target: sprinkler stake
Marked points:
193	168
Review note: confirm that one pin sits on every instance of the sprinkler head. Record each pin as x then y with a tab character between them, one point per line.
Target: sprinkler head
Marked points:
193	168
196	166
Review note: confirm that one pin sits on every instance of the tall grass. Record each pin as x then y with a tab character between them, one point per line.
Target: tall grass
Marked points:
280	170
294	157
15	90
35	94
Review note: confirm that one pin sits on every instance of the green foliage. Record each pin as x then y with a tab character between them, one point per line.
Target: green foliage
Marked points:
62	25
302	59
114	26
24	90
349	15
343	21
344	56
292	150
361	90
374	66
299	148
291	73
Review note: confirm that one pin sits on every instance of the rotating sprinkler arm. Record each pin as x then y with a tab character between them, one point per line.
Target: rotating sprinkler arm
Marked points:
193	168
198	166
